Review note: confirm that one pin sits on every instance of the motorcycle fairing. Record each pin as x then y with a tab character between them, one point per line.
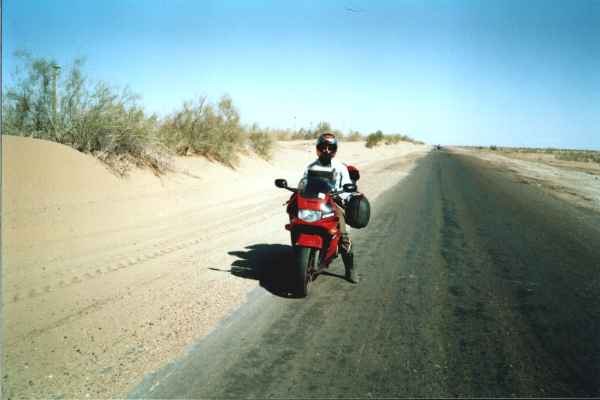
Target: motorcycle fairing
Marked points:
308	240
308	235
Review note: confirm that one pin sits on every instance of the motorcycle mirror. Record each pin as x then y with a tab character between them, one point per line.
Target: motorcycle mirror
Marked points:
349	188
281	183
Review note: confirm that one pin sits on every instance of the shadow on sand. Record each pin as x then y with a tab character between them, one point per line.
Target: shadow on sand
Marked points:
270	264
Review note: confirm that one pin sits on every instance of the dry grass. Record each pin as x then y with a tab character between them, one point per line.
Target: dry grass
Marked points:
260	141
92	118
201	128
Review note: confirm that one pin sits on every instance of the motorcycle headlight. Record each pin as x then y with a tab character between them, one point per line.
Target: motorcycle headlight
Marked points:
309	215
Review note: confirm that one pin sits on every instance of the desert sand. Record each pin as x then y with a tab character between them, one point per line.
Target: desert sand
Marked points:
105	279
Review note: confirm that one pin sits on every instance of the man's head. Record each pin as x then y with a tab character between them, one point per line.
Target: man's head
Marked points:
327	146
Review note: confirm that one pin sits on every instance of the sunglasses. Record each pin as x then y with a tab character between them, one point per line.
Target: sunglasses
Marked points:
331	147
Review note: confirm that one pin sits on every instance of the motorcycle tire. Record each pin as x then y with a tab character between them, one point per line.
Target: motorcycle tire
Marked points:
305	264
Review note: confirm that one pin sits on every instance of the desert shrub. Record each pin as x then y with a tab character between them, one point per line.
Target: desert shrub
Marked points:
298	135
390	139
281	134
374	139
307	134
397	138
354	136
107	122
284	134
28	107
261	141
493	147
95	119
203	129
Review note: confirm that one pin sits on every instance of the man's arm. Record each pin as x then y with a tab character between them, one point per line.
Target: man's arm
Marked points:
345	178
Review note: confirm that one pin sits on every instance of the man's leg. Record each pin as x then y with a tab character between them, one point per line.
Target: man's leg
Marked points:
346	248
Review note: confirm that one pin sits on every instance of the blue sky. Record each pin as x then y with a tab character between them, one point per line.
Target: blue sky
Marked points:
520	73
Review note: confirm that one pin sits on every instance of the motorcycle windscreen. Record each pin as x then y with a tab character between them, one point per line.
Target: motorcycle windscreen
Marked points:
313	187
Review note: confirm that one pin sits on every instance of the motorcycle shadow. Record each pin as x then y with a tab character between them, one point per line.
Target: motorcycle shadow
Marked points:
267	263
272	265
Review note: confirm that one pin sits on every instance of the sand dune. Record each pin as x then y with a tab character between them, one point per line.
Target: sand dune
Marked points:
105	278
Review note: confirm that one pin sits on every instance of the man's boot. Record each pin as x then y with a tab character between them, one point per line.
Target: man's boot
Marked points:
351	275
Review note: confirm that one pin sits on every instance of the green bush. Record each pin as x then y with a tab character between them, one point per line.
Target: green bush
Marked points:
261	141
397	138
203	129
374	139
354	136
90	118
298	135
311	134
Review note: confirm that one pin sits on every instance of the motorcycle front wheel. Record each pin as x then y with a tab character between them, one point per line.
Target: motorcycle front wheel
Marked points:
305	265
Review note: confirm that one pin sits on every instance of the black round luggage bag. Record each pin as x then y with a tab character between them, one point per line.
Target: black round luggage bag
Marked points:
358	211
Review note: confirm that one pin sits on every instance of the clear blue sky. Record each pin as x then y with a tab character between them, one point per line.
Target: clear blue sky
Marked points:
521	73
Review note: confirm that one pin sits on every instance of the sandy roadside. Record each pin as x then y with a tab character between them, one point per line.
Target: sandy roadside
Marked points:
106	279
576	182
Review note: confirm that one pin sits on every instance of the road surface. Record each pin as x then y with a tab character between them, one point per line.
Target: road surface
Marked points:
473	284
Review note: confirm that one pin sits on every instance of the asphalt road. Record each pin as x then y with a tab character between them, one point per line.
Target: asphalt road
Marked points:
473	284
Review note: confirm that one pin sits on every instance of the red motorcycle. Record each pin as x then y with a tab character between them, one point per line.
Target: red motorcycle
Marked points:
313	224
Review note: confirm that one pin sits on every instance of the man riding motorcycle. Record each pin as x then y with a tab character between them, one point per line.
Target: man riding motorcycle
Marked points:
326	146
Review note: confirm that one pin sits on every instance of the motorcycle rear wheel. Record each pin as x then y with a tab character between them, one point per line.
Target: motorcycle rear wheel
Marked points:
305	265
